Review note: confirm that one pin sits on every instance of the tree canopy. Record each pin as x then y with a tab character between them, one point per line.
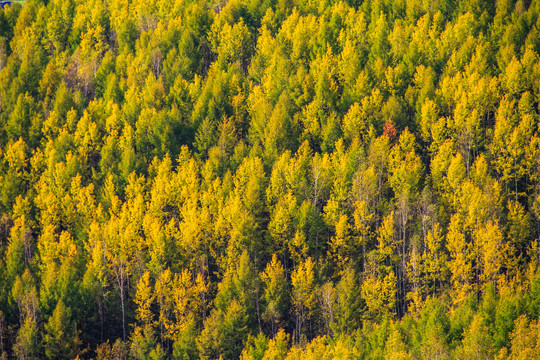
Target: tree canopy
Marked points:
260	179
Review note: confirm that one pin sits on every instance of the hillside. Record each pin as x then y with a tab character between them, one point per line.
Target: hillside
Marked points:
264	179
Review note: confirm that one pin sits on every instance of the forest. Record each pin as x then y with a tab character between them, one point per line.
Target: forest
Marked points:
262	179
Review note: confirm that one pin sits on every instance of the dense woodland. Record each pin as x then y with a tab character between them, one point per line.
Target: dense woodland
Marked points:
263	179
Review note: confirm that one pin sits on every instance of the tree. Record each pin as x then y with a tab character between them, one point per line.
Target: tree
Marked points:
277	347
433	328
510	137
348	306
280	226
362	223
340	244
17	173
231	43
476	342
395	347
24	121
20	249
525	339
61	337
303	294
429	116
380	286
518	234
25	346
460	260
224	332
379	37
144	299
489	247
365	189
25	294
428	267
235	313
275	294
59	269
466	125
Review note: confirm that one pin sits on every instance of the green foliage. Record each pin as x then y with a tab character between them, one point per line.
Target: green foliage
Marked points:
61	338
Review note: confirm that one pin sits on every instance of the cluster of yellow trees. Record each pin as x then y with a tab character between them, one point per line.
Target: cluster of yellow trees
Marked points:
262	179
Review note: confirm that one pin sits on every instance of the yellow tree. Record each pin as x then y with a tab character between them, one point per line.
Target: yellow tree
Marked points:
406	169
518	235
460	260
490	251
510	138
428	268
395	346
277	347
59	265
143	339
341	248
275	293
25	294
379	288
525	339
476	342
123	246
304	296
20	249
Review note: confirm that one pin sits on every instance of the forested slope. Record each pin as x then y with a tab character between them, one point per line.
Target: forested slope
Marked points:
270	179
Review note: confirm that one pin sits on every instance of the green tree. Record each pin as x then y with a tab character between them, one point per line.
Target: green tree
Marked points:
224	332
61	337
348	305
